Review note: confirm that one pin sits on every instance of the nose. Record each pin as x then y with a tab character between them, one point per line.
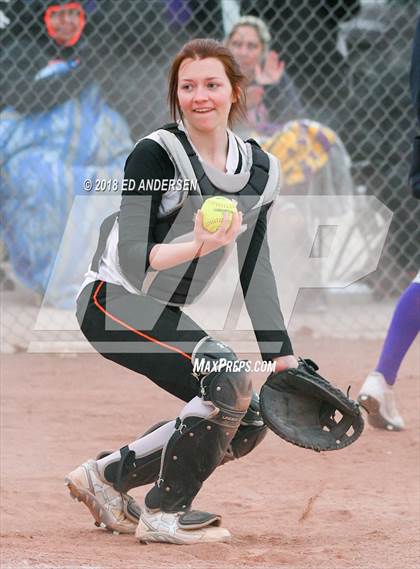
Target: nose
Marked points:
62	18
200	93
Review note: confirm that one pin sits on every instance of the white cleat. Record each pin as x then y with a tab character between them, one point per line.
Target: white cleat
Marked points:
377	397
110	509
169	528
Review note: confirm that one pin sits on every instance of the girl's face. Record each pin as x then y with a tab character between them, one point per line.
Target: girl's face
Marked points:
247	48
205	94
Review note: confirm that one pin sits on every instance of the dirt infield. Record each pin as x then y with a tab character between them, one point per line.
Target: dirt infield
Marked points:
286	507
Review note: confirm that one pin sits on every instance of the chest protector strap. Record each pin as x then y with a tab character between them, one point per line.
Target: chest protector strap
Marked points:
259	173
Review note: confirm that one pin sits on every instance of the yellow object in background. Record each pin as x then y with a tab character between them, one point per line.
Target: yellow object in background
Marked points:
303	148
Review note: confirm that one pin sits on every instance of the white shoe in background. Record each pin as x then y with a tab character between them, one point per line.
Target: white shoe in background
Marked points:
377	397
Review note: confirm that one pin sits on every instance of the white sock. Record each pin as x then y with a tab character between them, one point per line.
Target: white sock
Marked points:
142	447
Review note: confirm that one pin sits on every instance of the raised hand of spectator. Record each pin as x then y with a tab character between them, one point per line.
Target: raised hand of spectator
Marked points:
271	69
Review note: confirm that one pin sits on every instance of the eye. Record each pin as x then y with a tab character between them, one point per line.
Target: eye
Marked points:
212	85
186	87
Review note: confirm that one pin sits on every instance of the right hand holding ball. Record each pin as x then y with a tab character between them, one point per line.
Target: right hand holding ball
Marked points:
213	210
218	222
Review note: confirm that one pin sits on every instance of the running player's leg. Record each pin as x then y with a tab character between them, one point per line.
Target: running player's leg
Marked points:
377	394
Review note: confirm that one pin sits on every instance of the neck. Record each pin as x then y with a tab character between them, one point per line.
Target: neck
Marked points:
212	146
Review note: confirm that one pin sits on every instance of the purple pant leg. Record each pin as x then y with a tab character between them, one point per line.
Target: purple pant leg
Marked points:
402	331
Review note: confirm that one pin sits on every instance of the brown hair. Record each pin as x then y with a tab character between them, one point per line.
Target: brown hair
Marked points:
201	49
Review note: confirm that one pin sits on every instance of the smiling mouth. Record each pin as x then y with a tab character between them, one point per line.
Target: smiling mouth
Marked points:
203	111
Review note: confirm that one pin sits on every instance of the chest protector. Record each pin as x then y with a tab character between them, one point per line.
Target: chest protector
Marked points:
175	221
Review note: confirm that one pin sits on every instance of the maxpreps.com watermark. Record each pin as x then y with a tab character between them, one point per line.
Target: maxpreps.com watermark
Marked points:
206	366
115	185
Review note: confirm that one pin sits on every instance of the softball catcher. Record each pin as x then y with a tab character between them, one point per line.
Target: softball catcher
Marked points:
154	257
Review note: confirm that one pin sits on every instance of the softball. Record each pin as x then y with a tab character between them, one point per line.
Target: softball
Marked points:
213	210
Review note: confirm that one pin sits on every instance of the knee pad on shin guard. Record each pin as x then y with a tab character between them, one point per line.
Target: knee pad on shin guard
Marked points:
226	385
200	443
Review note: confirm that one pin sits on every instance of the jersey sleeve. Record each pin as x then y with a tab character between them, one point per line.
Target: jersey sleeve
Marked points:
260	291
147	163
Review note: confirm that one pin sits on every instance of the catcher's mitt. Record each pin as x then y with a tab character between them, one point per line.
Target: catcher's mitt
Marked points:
300	406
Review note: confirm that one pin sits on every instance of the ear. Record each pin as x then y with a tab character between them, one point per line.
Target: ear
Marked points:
236	94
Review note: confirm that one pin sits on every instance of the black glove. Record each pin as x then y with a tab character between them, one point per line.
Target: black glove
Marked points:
300	406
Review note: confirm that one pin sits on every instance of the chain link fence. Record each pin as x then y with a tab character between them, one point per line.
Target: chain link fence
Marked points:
82	81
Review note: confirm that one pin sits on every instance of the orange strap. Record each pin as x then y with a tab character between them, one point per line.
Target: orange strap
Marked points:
134	330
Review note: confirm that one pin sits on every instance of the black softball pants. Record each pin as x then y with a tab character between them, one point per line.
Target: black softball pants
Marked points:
141	334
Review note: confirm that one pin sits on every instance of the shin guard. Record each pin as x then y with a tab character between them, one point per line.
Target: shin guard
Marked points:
200	443
130	471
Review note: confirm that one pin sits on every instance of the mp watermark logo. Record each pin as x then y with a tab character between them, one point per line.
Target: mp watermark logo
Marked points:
315	242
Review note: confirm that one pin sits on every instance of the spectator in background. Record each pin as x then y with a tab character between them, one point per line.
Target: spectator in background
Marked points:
307	33
57	130
415	98
314	160
272	98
